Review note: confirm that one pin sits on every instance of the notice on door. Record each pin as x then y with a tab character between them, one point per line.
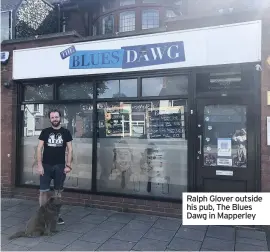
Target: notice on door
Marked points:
224	147
226	208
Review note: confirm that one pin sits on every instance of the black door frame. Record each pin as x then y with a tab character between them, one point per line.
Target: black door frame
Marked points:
239	174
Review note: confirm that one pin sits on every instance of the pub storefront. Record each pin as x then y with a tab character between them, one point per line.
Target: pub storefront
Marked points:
152	116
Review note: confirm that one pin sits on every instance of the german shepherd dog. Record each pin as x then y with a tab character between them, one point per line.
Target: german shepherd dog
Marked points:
43	222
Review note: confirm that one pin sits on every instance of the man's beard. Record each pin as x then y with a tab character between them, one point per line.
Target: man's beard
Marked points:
55	124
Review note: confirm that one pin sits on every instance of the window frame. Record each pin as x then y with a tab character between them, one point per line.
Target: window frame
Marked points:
119	21
153	10
10	28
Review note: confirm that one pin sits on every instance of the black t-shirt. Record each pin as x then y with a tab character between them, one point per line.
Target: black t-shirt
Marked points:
55	142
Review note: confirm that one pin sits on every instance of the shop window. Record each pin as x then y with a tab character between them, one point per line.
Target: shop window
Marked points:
163	86
225	136
75	117
142	148
126	2
38	92
6	29
75	90
150	19
117	88
127	21
108	25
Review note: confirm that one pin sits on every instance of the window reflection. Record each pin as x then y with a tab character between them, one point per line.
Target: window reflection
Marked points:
75	90
127	21
162	86
38	92
225	136
108	25
142	148
117	88
75	117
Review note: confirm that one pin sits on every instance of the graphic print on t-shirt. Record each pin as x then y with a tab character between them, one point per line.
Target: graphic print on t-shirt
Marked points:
55	140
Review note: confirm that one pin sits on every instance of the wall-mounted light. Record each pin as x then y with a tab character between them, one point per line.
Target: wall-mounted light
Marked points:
7	84
4	57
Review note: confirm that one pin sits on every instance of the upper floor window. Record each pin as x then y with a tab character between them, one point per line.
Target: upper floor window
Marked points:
6	31
170	14
150	19
126	2
107	5
149	1
127	21
107	25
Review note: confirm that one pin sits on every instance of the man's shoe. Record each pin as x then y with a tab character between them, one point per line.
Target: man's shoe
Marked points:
60	221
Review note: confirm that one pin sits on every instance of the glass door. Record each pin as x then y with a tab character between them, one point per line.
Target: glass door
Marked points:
224	147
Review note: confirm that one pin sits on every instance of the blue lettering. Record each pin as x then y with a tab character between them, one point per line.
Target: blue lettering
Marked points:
96	59
153	54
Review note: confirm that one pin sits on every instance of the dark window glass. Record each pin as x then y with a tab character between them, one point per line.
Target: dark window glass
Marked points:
38	92
117	88
75	90
162	86
77	118
108	25
150	19
142	148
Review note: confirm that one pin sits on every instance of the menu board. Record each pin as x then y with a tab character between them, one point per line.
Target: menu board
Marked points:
117	123
168	125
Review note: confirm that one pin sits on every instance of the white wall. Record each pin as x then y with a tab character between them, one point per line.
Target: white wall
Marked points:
227	44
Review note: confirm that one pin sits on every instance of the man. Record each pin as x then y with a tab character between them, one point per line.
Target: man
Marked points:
53	165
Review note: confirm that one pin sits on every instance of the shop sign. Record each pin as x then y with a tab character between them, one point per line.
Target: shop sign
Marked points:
126	57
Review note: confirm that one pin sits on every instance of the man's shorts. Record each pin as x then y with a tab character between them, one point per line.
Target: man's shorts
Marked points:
55	172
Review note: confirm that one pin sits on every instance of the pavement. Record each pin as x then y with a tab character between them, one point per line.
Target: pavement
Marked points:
92	229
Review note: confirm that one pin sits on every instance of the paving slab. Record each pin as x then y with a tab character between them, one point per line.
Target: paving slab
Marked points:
97	236
248	247
180	244
218	244
128	234
47	246
221	232
150	245
28	242
121	217
79	245
190	234
12	221
163	223
79	227
145	217
251	241
249	233
116	245
160	234
110	225
140	225
64	238
94	219
13	247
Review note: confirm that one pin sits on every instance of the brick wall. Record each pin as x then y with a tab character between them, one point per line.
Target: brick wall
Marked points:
265	109
108	202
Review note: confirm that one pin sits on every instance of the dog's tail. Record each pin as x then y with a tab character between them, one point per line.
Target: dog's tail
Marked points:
17	235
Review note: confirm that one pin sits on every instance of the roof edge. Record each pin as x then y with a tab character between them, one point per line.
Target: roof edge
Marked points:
42	37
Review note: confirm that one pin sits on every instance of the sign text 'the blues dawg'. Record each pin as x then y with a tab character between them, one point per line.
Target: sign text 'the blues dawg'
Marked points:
129	57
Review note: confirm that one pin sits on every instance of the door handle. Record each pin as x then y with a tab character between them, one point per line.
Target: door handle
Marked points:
200	149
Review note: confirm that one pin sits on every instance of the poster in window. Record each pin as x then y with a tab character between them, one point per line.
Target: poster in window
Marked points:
224	147
240	157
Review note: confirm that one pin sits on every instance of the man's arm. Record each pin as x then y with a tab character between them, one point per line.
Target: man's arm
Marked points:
69	154
39	159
